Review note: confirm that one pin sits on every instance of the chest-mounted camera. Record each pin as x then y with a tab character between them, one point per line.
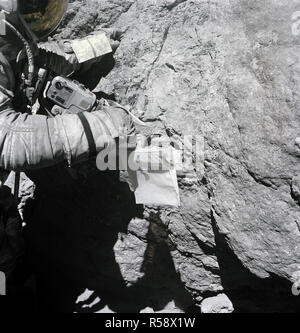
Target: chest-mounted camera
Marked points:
70	95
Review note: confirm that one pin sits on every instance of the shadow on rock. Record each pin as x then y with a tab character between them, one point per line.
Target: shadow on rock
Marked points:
248	293
71	233
160	288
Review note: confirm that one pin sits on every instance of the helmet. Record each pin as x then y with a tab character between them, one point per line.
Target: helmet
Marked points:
40	17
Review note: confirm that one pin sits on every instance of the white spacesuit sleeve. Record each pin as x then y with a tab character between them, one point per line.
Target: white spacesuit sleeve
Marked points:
37	141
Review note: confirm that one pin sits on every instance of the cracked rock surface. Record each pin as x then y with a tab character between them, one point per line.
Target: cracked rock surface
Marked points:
228	71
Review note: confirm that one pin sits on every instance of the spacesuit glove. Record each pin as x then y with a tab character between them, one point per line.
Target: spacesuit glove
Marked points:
114	36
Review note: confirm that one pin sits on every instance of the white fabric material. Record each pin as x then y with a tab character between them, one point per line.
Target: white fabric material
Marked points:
91	47
155	181
154	178
157	188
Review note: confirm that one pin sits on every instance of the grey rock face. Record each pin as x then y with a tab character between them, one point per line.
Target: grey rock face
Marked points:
230	64
227	71
296	189
218	304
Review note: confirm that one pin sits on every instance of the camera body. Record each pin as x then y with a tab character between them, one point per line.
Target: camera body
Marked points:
70	95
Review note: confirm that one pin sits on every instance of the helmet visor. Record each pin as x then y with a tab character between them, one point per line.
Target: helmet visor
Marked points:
42	16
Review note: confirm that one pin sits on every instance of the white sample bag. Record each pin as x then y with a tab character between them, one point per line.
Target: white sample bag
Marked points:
155	179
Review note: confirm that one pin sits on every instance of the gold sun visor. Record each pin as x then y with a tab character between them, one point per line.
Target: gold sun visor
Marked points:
42	16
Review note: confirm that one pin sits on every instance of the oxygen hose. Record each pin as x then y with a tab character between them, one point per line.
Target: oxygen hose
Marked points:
28	82
28	50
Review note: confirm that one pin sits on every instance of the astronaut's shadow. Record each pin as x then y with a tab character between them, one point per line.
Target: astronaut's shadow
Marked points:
159	286
160	283
76	239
